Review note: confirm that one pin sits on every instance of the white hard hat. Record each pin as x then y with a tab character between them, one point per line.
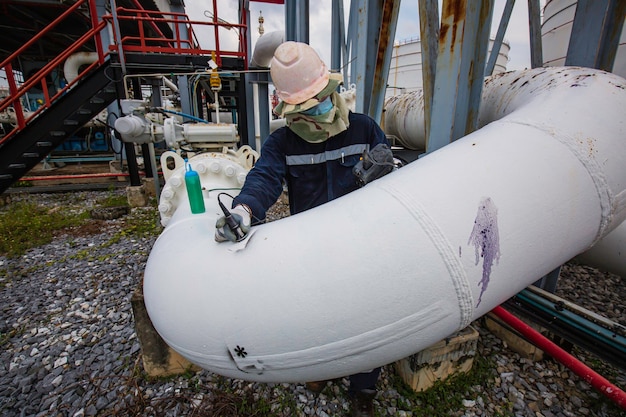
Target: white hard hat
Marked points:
297	72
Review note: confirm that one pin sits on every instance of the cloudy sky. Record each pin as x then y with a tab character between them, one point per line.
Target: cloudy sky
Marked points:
319	24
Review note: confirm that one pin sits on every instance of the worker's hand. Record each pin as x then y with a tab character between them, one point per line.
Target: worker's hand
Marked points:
242	217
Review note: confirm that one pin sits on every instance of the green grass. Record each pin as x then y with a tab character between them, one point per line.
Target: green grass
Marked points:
25	225
446	397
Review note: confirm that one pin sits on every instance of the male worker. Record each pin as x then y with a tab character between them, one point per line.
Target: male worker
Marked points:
315	154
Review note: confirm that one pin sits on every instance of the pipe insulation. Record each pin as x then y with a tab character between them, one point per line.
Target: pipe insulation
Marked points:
75	61
609	254
265	47
402	263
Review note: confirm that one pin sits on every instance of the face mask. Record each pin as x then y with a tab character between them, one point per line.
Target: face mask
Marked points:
324	107
316	129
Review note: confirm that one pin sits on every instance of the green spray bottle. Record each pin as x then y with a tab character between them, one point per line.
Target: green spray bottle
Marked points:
194	190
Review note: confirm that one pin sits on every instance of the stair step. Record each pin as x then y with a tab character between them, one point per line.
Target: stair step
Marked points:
58	133
96	100
17	166
44	144
110	90
31	155
6	177
70	122
83	111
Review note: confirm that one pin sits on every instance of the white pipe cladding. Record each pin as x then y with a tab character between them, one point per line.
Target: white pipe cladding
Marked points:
409	259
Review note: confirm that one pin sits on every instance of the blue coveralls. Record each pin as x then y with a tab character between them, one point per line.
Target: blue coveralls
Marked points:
315	174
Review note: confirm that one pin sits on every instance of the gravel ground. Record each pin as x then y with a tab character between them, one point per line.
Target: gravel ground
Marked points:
69	346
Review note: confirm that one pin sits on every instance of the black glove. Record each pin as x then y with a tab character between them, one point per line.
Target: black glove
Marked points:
374	164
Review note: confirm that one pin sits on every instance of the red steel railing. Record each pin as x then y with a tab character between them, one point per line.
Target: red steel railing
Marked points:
183	41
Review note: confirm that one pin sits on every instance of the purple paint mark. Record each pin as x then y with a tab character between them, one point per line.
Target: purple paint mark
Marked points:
486	240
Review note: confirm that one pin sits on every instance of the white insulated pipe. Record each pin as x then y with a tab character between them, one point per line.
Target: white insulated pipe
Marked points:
75	61
609	254
404	119
404	262
264	48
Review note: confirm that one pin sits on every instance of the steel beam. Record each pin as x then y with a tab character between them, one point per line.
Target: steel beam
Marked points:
534	24
596	33
376	27
338	52
463	40
429	35
497	44
297	20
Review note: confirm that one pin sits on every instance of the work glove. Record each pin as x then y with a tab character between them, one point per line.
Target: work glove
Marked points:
374	164
241	218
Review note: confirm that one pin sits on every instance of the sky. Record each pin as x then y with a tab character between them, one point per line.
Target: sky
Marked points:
320	17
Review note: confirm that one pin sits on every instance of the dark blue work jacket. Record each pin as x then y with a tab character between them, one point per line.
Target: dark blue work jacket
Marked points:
315	172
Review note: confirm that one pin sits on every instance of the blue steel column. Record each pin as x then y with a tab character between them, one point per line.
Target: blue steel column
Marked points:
479	17
534	25
360	57
297	20
497	44
262	84
463	40
386	35
177	6
338	39
429	35
351	41
375	26
596	33
246	83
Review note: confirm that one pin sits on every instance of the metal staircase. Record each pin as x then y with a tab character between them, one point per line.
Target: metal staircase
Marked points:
68	114
123	47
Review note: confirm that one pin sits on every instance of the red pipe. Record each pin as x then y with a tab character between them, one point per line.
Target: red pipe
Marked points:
589	375
78	176
70	177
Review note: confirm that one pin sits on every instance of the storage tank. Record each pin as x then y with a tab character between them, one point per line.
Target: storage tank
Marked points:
405	70
558	18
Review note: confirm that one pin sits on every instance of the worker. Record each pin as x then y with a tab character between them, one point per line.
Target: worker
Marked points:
314	154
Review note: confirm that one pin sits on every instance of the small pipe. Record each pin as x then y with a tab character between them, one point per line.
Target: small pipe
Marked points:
611	391
76	176
188	116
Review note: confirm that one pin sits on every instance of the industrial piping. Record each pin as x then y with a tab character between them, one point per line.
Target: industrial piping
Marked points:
404	262
404	120
589	375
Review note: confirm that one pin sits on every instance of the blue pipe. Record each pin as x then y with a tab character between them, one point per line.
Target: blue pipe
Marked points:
588	327
189	116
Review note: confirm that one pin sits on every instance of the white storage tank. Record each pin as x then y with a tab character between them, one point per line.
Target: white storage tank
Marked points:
558	18
405	69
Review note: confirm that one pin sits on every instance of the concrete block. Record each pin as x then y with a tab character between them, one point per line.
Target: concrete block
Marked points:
514	342
158	358
136	196
448	357
148	187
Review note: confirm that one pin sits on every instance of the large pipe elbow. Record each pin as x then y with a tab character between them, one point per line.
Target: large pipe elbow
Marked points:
400	264
265	47
75	61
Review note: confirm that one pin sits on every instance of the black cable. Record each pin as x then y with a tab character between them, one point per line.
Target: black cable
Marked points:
232	224
219	202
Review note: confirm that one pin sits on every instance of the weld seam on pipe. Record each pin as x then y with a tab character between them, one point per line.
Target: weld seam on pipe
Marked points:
605	196
366	342
445	250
